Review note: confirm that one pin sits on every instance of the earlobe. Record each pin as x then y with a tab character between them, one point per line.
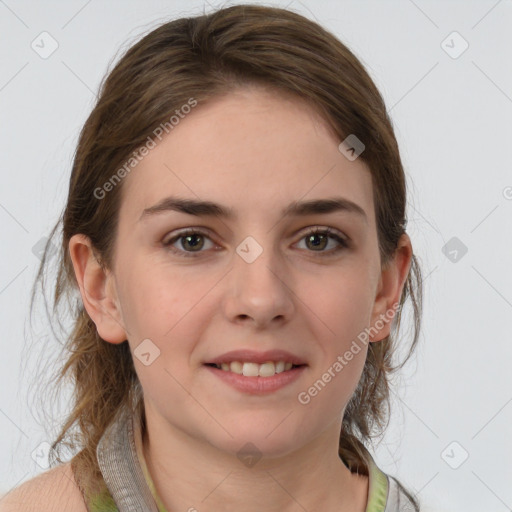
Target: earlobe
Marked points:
391	283
98	291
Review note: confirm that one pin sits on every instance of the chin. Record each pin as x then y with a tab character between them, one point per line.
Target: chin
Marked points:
255	443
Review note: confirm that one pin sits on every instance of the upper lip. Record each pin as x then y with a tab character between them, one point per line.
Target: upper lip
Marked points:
252	356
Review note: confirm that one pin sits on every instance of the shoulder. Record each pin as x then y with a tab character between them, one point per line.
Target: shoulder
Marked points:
55	489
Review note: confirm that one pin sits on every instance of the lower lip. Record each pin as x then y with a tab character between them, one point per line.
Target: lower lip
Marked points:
258	385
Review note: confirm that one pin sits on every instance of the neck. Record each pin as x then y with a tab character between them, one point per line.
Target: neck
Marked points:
190	474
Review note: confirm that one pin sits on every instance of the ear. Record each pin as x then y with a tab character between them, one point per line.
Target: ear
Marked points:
391	283
98	290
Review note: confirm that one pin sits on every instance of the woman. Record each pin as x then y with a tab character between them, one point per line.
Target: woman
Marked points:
235	226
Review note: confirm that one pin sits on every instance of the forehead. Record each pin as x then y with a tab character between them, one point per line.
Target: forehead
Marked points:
253	150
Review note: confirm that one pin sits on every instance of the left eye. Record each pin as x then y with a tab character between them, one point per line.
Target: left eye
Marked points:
323	235
193	241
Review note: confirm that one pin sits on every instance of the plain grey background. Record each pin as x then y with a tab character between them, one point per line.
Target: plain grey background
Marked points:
444	71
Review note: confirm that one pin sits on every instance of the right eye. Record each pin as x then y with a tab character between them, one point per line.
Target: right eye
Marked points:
191	238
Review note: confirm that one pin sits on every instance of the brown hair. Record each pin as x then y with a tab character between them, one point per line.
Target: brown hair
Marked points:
204	57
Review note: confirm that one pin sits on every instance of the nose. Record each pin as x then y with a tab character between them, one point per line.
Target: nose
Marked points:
258	291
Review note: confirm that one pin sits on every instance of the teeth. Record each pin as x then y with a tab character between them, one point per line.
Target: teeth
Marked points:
267	369
251	369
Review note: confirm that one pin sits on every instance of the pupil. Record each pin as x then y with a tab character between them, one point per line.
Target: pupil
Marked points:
318	236
191	237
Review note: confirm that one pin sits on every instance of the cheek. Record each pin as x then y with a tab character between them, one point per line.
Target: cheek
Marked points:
157	301
345	309
345	313
169	311
329	391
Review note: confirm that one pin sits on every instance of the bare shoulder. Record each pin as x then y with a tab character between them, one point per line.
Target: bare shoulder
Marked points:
55	489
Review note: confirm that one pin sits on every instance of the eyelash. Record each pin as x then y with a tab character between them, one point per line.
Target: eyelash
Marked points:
343	243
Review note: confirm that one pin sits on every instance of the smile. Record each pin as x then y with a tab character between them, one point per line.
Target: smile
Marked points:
247	369
246	377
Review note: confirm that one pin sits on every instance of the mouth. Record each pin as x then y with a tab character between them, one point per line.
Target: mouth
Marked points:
254	378
250	369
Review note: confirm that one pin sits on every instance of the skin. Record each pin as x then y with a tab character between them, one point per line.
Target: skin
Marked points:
254	151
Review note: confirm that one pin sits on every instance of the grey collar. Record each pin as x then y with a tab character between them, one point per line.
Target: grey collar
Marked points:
119	464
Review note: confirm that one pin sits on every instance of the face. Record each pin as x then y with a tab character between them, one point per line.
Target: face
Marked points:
256	280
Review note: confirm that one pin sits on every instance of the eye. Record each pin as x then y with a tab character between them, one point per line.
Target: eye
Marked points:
319	238
192	241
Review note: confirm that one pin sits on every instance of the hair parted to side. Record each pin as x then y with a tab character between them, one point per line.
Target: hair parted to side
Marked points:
203	58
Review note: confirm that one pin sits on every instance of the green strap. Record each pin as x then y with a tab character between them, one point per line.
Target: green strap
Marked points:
378	489
102	503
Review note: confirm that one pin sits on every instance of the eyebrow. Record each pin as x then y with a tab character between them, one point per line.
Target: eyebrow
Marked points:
211	209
